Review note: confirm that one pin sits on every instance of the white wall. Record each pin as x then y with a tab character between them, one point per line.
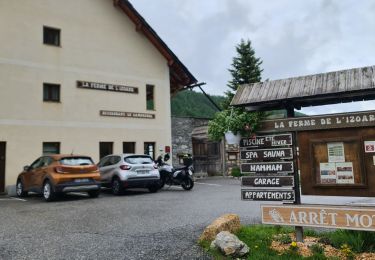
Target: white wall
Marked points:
99	44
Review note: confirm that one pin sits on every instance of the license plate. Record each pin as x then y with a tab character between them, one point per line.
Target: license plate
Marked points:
81	180
143	172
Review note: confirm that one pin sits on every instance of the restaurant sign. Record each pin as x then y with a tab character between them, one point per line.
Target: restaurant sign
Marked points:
355	119
323	216
107	87
126	114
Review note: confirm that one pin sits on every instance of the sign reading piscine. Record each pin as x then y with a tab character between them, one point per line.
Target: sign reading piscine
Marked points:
126	114
268	169
267	141
107	87
325	216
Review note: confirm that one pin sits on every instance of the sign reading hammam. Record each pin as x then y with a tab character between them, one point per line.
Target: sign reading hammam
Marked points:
267	167
267	141
107	87
126	114
267	154
357	119
268	195
325	216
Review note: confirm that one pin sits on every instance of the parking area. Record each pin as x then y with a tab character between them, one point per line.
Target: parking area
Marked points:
136	225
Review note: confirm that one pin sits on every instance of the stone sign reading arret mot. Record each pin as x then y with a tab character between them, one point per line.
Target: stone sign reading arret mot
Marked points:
324	216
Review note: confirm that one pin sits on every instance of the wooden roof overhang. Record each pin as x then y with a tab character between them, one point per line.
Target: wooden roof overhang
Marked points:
313	90
180	76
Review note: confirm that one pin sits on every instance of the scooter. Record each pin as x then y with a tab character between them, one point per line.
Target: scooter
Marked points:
180	176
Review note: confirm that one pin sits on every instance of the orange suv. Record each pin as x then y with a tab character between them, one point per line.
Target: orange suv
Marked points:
51	175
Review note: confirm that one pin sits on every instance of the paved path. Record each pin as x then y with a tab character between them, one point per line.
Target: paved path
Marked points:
137	225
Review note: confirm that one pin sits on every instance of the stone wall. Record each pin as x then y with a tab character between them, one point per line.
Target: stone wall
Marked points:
182	128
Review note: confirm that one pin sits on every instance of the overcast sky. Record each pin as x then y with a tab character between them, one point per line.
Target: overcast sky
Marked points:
292	37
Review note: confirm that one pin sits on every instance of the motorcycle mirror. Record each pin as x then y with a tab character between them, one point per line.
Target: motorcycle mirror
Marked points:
166	157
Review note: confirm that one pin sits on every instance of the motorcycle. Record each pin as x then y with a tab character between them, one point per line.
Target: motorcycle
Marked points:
175	176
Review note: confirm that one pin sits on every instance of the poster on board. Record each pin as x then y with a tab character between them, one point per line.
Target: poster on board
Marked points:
327	173
336	152
369	146
344	172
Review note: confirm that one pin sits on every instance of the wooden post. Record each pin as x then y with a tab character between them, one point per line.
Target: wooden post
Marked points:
298	229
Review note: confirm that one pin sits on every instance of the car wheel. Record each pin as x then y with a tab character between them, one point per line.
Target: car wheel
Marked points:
94	193
48	193
20	189
153	189
188	184
116	186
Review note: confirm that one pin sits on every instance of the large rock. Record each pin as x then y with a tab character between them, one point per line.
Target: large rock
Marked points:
227	222
230	245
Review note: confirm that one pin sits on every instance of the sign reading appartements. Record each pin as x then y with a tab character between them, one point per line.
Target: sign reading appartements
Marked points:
126	114
107	87
268	195
325	216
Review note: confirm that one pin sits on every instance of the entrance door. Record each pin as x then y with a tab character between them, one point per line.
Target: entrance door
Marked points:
2	167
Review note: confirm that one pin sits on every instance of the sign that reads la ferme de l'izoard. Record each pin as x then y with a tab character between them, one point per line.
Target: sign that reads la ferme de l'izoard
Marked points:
268	162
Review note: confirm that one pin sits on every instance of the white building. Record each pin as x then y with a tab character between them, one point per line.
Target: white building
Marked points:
86	77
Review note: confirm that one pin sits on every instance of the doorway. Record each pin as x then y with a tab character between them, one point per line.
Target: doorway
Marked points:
2	166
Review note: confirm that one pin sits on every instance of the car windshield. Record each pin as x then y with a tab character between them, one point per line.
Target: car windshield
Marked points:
74	161
138	160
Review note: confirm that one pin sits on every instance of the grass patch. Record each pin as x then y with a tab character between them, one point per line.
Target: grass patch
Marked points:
259	239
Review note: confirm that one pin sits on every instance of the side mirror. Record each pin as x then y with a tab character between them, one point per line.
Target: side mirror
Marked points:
26	168
166	157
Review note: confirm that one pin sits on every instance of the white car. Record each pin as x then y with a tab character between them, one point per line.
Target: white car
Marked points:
123	171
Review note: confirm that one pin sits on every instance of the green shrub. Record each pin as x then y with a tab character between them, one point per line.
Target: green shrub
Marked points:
358	241
236	172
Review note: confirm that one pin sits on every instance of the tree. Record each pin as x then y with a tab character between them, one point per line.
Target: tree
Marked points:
245	69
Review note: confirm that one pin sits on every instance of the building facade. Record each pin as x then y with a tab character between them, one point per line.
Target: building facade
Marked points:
85	77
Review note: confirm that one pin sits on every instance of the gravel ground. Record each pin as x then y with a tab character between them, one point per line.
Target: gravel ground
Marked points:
137	225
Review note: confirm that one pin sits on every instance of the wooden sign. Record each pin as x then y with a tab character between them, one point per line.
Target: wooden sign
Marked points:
267	167
267	141
107	87
126	114
323	216
268	195
267	154
268	181
357	119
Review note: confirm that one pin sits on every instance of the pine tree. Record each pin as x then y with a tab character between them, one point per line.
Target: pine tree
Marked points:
245	69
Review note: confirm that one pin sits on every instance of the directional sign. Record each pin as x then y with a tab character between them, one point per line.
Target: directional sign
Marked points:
268	195
267	154
268	181
267	141
267	167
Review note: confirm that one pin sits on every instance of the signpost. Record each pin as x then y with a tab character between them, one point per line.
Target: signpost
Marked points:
269	169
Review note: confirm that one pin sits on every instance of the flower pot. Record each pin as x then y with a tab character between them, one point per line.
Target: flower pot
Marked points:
232	138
